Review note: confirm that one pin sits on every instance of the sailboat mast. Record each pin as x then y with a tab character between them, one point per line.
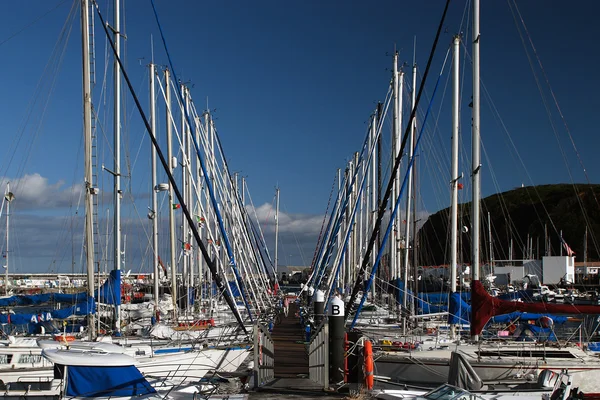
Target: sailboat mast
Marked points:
184	190
8	198
454	176
87	144
276	226
491	244
374	186
171	196
475	155
393	264
154	211
409	190
117	146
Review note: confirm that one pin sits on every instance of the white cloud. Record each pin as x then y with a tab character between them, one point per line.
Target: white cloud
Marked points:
299	224
35	191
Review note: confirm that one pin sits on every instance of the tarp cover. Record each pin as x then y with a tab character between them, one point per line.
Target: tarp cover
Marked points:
110	291
80	309
36	299
462	374
459	311
100	381
526	316
484	306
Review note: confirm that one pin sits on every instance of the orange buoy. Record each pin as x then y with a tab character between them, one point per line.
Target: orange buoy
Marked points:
368	359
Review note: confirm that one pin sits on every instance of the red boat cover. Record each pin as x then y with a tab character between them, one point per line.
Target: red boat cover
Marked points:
484	306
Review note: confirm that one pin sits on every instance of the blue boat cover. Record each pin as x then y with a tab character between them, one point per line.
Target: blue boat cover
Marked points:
539	333
110	291
593	346
106	381
84	308
459	312
36	299
558	319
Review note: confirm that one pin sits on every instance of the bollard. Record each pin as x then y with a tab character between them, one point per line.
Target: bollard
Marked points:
319	307
336	340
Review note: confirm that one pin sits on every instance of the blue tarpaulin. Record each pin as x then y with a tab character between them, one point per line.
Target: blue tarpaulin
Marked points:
459	311
36	299
110	291
538	332
106	381
526	316
83	308
78	304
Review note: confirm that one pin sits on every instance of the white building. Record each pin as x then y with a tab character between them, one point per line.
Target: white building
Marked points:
556	269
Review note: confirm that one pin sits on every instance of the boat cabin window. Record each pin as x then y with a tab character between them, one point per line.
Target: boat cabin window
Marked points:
447	392
5	358
59	371
526	353
30	358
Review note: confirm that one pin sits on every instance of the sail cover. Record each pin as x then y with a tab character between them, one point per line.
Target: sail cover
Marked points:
106	381
110	291
462	374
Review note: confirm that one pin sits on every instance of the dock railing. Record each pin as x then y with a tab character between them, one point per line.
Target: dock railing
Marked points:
318	355
264	356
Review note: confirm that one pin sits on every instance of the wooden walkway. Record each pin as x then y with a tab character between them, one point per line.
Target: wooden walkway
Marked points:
291	361
291	357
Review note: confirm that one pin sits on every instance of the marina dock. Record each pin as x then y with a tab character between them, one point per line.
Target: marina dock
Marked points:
291	362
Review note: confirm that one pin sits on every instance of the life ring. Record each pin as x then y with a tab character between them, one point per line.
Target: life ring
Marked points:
63	338
368	359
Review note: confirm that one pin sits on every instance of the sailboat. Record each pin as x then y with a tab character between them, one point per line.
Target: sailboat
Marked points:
99	373
499	362
173	362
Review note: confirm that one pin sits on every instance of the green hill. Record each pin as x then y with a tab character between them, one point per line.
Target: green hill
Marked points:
518	214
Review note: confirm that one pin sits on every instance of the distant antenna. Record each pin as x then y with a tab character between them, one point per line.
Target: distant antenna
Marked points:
152	48
415	51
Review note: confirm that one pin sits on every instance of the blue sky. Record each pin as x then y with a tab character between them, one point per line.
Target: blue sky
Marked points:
293	84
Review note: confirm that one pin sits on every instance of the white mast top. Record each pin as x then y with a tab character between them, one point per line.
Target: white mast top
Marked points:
454	173
117	145
90	190
475	158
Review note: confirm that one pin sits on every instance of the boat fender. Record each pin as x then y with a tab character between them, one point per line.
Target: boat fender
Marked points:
368	360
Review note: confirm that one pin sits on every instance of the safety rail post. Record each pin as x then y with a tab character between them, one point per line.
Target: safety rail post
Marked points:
318	355
264	356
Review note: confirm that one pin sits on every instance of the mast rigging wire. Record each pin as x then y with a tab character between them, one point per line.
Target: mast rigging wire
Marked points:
208	181
184	208
388	191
